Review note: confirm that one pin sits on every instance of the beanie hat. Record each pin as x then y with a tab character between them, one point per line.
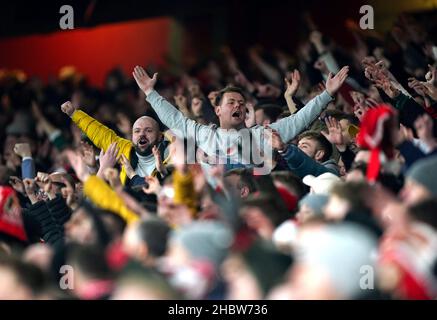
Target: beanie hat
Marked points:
205	240
315	201
341	251
321	184
371	135
11	220
267	264
424	172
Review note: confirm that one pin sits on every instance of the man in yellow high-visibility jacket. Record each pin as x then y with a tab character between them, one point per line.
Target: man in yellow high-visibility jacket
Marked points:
145	135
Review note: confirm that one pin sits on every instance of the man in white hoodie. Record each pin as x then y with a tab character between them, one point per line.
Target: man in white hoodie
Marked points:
232	140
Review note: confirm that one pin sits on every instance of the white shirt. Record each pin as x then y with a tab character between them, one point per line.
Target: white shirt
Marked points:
146	165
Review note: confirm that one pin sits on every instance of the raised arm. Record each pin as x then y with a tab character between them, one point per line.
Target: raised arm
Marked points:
27	163
99	134
267	70
54	134
98	191
167	113
291	126
291	89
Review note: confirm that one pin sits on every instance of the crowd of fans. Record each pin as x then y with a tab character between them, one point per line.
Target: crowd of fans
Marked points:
140	190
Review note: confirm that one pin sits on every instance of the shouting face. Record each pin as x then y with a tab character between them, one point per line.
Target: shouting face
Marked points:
145	134
231	111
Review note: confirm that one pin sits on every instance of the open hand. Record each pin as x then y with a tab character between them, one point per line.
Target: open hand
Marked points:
158	161
333	84
144	82
88	154
334	134
130	172
109	158
78	165
292	85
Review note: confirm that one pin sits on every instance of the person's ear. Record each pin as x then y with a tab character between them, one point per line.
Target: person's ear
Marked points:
218	111
319	155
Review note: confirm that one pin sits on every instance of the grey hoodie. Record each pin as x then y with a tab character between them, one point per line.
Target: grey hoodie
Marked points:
240	146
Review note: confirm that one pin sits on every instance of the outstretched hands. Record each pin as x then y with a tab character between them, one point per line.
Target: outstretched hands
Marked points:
428	87
378	73
333	83
292	81
334	133
78	165
130	172
144	82
108	159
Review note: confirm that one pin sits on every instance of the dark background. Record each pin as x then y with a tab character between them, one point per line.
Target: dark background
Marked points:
266	21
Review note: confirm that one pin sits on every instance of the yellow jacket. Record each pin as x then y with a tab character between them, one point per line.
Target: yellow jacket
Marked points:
101	194
184	192
102	137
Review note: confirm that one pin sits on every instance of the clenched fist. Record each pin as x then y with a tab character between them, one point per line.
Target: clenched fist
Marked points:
68	108
22	149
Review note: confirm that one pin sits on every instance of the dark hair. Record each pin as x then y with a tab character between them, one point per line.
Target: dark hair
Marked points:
323	143
292	182
359	165
198	96
355	192
154	232
271	206
27	274
90	260
146	277
246	178
424	211
272	111
340	115
102	235
113	223
360	212
221	93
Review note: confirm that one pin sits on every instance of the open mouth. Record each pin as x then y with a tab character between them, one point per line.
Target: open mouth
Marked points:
143	142
236	114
